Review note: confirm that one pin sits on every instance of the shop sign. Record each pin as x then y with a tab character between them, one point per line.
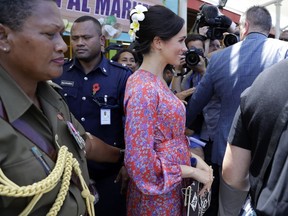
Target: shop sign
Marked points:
72	9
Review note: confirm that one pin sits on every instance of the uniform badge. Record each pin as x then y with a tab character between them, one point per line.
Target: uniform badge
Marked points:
79	140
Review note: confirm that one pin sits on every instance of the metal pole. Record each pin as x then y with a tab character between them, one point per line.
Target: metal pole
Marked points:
278	13
277	23
269	3
182	10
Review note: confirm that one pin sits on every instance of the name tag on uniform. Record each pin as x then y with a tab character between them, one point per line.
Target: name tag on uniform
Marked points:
105	116
67	83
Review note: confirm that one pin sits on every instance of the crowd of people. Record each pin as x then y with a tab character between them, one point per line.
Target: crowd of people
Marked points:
228	74
94	136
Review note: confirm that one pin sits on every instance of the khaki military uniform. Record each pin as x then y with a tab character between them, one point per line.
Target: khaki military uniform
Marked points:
16	158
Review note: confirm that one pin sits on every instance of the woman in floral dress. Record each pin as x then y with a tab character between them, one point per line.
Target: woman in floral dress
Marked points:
157	156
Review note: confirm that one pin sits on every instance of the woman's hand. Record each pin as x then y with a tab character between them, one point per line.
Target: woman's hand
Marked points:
202	173
206	178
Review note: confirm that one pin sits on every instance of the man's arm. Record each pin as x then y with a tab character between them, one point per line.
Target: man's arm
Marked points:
199	99
235	166
99	151
234	184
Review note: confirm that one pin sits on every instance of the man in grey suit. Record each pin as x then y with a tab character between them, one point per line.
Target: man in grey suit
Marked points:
228	74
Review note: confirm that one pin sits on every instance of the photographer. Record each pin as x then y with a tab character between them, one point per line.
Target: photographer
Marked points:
209	115
194	66
204	126
195	61
212	24
209	44
217	22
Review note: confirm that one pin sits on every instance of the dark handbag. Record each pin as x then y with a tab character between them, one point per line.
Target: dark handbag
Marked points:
194	204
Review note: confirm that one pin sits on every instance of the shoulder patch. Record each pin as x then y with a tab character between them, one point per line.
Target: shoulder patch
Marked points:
114	63
67	61
68	64
117	64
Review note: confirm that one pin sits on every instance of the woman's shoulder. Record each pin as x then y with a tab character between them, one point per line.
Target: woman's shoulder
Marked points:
143	86
142	79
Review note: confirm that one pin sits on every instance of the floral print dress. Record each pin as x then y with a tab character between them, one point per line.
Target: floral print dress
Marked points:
155	146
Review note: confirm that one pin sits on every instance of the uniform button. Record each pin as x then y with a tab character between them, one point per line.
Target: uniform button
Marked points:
83	98
82	119
85	78
65	94
115	143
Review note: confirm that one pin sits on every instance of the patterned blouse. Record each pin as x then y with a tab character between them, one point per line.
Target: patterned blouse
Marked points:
155	146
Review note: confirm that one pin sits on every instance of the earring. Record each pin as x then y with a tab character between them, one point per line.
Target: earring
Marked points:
5	49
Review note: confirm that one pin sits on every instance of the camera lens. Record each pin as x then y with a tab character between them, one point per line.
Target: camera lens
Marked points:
192	58
230	39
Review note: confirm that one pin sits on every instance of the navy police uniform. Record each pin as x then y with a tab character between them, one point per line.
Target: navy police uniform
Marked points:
96	100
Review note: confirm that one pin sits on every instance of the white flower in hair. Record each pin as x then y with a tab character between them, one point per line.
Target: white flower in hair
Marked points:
136	14
132	35
135	25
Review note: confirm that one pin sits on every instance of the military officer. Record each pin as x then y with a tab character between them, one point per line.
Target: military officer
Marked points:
43	168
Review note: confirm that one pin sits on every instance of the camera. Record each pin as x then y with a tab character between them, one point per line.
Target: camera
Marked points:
217	23
192	56
217	28
230	39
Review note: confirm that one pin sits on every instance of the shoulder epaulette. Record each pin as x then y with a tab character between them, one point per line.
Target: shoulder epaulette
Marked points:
122	66
118	65
67	60
54	85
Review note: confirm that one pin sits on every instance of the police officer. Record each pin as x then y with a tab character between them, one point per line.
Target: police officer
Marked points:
94	89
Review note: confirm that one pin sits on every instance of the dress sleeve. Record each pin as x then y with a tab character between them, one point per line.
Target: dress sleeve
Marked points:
146	166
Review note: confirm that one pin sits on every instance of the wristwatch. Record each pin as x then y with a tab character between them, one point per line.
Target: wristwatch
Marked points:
178	74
